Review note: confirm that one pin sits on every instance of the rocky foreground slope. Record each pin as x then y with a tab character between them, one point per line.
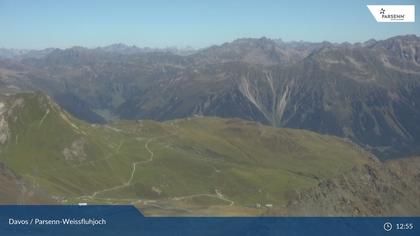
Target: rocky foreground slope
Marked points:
375	189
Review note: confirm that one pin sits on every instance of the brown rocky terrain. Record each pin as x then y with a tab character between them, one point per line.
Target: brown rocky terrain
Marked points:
375	189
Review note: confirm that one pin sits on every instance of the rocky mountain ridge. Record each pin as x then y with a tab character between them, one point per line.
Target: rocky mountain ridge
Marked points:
367	92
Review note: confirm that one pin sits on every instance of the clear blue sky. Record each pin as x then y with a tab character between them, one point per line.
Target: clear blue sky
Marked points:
196	23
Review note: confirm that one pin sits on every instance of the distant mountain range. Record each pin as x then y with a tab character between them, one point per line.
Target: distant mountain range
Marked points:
118	48
367	92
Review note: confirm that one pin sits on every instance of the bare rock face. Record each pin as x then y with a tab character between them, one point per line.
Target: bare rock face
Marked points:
8	114
4	127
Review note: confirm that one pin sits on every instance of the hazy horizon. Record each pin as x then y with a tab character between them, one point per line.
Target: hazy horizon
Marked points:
200	48
181	24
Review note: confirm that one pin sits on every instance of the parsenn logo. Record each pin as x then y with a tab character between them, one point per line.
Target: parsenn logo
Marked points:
382	12
393	13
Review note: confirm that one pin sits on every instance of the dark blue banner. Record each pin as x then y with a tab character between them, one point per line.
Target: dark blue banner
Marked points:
127	220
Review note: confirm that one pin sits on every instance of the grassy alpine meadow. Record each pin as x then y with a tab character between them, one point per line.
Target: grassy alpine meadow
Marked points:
193	166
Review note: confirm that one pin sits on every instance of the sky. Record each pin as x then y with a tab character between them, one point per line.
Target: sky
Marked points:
37	24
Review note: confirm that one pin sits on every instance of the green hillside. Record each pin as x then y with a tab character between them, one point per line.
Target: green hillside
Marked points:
194	165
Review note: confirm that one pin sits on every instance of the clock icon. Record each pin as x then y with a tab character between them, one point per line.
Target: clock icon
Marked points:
387	226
